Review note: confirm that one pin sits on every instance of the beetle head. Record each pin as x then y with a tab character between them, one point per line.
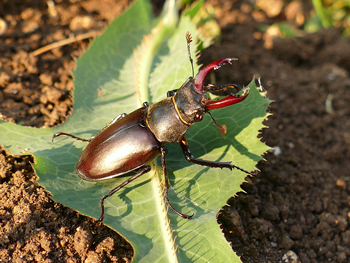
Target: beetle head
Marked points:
191	100
189	103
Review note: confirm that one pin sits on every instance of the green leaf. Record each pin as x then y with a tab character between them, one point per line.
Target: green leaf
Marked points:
138	211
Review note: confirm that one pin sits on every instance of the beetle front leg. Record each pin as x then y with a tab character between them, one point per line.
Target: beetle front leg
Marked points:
141	171
190	158
166	185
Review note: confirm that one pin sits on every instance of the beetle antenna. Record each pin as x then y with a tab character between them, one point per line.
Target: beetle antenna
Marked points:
189	40
222	128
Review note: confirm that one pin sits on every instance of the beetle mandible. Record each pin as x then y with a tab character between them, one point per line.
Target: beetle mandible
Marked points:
132	140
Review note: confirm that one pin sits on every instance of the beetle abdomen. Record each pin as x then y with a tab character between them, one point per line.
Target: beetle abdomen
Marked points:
120	148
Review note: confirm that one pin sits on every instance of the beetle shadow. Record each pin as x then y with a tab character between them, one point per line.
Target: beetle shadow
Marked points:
196	135
195	247
122	193
163	52
112	219
187	187
112	101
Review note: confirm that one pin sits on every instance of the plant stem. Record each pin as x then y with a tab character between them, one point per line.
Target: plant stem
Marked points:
321	13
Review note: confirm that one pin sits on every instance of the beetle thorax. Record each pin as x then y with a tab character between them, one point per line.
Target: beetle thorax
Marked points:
189	103
169	119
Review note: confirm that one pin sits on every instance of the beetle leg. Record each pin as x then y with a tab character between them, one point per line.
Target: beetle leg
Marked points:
200	77
190	158
222	128
141	171
58	134
166	185
171	93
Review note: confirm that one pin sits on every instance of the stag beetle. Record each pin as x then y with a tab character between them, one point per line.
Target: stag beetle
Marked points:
132	140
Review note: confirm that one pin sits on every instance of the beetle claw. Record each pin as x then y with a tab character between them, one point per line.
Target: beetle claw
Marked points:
199	80
229	100
187	217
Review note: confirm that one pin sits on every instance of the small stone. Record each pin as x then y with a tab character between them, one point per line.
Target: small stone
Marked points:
290	257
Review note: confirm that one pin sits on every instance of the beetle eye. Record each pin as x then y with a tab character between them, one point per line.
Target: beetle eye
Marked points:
198	117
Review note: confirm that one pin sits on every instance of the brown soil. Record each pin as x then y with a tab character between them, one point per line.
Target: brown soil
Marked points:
299	202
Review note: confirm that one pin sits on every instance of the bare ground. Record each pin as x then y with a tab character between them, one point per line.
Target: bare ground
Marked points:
300	200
